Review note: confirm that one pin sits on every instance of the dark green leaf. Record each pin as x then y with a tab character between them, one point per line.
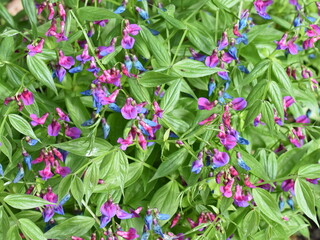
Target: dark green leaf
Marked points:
193	69
96	14
24	201
173	162
253	112
173	21
159	51
275	95
30	229
30	8
171	96
41	72
288	160
257	93
282	77
21	125
153	79
258	71
139	93
7	17
77	189
6	147
200	37
268	115
75	226
306	199
64	186
4	223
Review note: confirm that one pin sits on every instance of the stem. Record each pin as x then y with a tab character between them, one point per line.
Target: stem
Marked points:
92	214
179	46
217	25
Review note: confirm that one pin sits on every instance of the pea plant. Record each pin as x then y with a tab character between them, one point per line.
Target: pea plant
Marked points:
186	119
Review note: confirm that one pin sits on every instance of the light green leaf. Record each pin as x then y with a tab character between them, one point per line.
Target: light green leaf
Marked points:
153	79
173	21
193	69
24	201
310	171
31	230
30	8
171	96
22	126
64	186
77	189
258	71
96	14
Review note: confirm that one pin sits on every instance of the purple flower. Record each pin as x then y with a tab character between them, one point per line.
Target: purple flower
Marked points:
288	185
219	159
62	171
288	101
125	142
257	121
129	110
73	132
205	104
224	41
240	199
102	23
132	29
282	44
47	213
261	7
197	164
54	128
65	61
36	121
33	50
84	57
93	67
212	60
127	41
196	56
60	72
208	120
292	47
27	97
238	104
302	119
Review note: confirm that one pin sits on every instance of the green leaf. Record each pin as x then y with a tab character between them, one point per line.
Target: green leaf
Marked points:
288	160
8	32
267	204
159	51
153	79
282	77
7	17
30	8
256	167
30	229
193	69
4	223
275	95
268	115
166	199
310	171
171	20
81	147
258	71
77	189
171	96
24	201
134	173
173	162
6	147
90	180
41	72
306	199
115	169
75	226
13	233
199	36
250	224
253	112
64	186
78	112
139	93
72	3
96	14
257	93
110	56
21	125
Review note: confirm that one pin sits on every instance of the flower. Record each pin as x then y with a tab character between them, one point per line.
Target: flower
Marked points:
129	110
205	104
131	234
73	132
65	61
84	56
62	115
27	97
219	159
127	41
261	7
54	128
33	50
36	121
212	60
238	104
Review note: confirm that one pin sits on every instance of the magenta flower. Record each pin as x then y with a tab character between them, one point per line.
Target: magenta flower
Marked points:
196	56
52	31
208	120
288	101
51	11
197	164
62	171
261	7
62	115
219	159
314	32
130	235
257	121
36	121
157	110
33	50
60	72
127	41
27	97
226	190
62	12
84	56
102	23
227	140
125	142
54	128
204	103
226	57
142	140
212	60
132	29
73	132
61	36
46	172
93	67
65	61
129	110
238	104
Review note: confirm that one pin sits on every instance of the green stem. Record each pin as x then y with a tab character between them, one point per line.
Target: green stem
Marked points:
179	46
92	214
217	26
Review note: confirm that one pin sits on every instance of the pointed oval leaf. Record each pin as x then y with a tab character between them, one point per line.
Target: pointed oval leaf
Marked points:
24	201
21	125
96	14
31	230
